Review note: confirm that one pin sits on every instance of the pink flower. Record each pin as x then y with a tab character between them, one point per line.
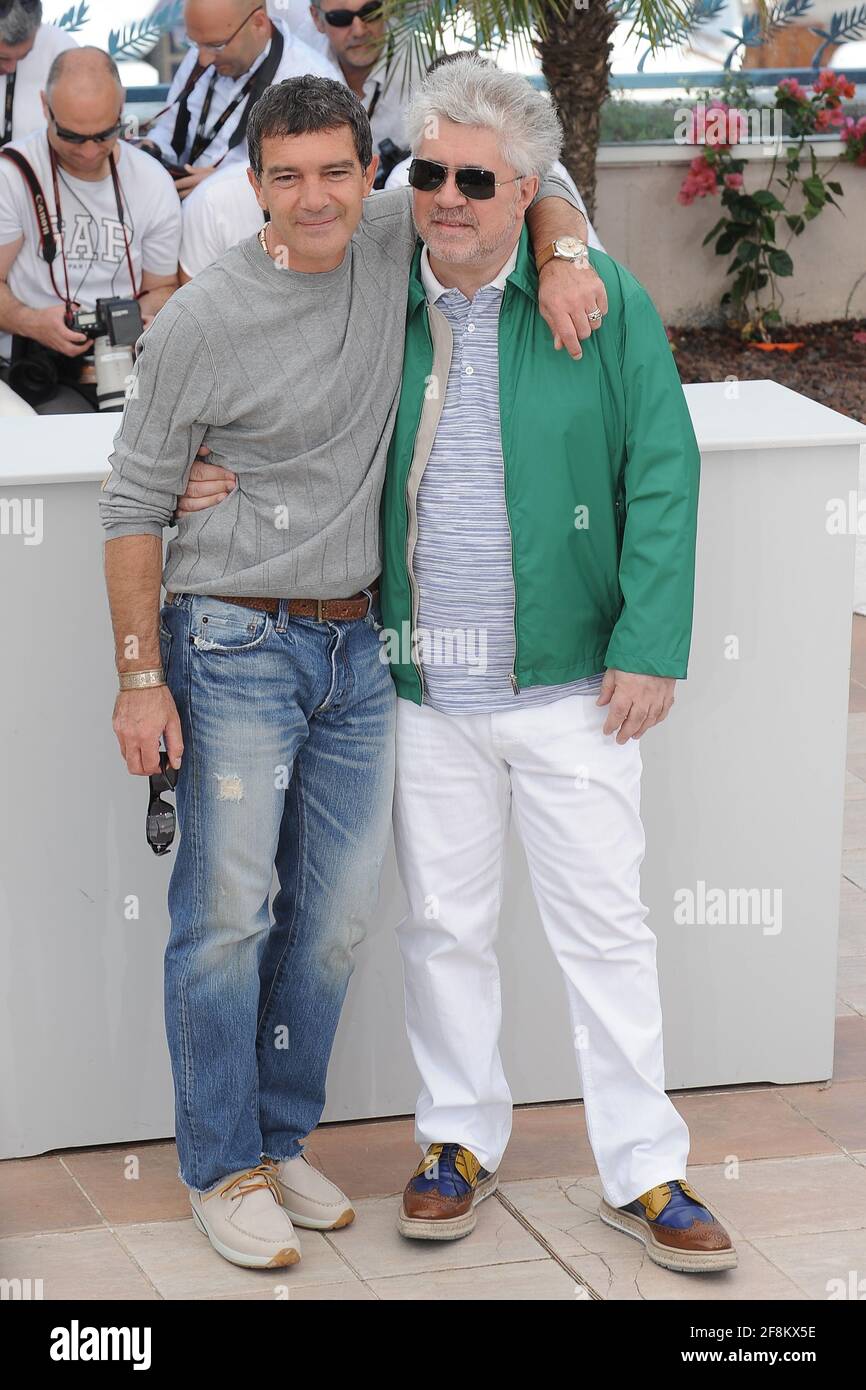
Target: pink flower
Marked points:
715	123
791	87
733	180
834	84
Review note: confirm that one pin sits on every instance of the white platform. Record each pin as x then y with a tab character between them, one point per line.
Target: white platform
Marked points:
743	789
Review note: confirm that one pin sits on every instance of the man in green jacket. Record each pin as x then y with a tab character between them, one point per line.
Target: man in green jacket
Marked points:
539	521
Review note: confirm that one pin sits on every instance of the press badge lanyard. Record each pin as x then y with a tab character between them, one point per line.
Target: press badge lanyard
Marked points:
10	98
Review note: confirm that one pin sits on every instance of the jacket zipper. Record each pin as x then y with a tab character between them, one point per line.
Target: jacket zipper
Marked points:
413	585
410	551
515	688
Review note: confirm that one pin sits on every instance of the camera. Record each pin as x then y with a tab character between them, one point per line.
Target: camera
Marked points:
115	326
390	155
177	171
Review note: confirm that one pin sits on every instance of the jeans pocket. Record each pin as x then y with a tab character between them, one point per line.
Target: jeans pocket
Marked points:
165	640
226	627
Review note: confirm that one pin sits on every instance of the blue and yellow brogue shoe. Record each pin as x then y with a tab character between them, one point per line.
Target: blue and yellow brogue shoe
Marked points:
678	1230
441	1197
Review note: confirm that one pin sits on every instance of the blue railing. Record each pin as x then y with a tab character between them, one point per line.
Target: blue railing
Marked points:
755	77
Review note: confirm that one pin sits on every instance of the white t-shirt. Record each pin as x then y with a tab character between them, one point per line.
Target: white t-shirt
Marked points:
399	178
218	214
95	254
30	75
298	58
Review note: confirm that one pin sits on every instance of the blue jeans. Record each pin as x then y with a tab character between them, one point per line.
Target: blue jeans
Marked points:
288	728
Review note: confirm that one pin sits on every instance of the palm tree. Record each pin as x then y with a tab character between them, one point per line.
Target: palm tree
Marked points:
571	38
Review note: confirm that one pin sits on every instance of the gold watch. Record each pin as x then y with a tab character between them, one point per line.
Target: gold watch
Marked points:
565	248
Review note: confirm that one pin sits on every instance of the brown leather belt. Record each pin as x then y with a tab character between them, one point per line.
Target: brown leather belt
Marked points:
339	610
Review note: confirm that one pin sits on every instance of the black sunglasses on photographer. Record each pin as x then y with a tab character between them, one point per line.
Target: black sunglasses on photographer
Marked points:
341	19
161	817
75	137
427	175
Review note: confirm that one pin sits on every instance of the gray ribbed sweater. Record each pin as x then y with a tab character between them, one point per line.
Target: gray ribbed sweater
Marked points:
292	380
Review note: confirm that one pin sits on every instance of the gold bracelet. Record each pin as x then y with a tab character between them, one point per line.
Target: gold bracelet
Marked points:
141	680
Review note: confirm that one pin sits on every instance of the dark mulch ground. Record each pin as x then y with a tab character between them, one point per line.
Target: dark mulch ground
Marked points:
831	368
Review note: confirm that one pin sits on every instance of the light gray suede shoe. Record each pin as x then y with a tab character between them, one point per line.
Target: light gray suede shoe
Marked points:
244	1219
311	1200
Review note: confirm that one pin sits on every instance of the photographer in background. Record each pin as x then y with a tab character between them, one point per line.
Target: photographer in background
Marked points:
236	52
120	238
27	49
353	34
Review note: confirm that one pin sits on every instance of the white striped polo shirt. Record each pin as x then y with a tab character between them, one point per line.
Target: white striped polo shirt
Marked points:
462	559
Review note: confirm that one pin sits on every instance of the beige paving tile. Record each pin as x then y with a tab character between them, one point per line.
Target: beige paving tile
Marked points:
518	1282
794	1196
546	1140
852	919
354	1292
88	1265
748	1124
849	1053
854	827
616	1266
375	1249
855	787
37	1194
839	1110
368	1159
854	867
131	1182
181	1263
851	982
830	1265
856	762
856	740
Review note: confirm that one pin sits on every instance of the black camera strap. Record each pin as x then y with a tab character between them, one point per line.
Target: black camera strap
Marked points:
250	92
47	239
252	89
10	101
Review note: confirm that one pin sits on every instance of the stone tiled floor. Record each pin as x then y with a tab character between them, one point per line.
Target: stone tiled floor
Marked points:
797	1211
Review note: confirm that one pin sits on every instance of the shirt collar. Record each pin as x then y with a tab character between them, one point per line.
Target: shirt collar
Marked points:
434	289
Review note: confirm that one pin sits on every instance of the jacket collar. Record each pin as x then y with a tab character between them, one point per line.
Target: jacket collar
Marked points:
524	275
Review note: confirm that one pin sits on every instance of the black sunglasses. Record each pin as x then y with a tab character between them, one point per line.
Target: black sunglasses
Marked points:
74	137
426	175
161	818
341	19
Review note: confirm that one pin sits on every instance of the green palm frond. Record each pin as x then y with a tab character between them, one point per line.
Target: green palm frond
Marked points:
137	39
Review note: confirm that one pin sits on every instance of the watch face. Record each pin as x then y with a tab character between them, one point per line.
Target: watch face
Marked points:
568	246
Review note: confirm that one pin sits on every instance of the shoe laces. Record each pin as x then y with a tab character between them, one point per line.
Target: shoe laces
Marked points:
263	1175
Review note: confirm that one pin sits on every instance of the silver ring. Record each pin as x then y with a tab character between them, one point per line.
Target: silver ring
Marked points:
596	316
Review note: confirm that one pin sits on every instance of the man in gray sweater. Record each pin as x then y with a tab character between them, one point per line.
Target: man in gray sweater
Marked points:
263	666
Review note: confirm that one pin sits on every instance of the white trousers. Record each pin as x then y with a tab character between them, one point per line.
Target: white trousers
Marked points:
576	796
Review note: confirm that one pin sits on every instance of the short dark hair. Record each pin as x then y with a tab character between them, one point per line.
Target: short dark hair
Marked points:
302	105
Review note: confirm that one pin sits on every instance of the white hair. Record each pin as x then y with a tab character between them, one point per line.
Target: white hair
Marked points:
18	24
472	92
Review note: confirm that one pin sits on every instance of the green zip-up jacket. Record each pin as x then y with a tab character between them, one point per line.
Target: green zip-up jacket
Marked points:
602	474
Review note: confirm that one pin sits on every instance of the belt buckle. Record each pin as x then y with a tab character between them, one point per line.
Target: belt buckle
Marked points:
319	616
